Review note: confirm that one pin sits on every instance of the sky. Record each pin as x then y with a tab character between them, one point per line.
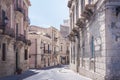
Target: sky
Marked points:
47	13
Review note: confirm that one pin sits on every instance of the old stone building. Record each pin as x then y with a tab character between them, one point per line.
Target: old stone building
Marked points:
44	48
94	36
64	43
64	28
14	42
55	44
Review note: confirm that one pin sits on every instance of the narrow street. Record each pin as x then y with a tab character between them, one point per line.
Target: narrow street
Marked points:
52	73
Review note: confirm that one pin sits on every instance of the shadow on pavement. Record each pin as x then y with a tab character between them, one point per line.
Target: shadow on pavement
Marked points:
29	73
19	77
57	66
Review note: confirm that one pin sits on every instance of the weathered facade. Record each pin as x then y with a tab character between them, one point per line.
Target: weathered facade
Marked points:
64	43
94	35
44	48
13	36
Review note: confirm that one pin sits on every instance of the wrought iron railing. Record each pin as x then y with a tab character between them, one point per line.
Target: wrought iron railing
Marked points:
20	37
47	51
7	31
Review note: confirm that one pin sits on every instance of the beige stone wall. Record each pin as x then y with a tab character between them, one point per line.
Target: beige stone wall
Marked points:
9	62
86	62
39	37
8	67
112	41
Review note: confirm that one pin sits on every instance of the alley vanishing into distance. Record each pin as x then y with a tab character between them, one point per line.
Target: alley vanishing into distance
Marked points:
87	43
51	73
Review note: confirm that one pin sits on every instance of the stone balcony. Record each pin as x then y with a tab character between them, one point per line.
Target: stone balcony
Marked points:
5	30
69	3
71	36
27	19
47	51
88	11
75	30
80	22
22	38
28	42
19	11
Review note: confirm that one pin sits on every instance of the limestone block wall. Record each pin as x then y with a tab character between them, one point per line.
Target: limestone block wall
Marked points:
23	64
93	64
112	41
7	67
10	59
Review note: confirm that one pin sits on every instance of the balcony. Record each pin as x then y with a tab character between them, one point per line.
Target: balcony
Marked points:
71	38
47	51
88	11
28	42
80	22
27	19
47	35
69	3
19	11
20	37
72	34
56	53
75	29
7	31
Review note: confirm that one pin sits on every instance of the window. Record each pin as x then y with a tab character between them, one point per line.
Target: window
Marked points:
54	50
25	33
92	47
61	47
17	3
3	17
77	9
83	44
48	48
71	55
44	48
74	53
26	54
82	5
89	1
73	17
71	22
3	52
17	29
